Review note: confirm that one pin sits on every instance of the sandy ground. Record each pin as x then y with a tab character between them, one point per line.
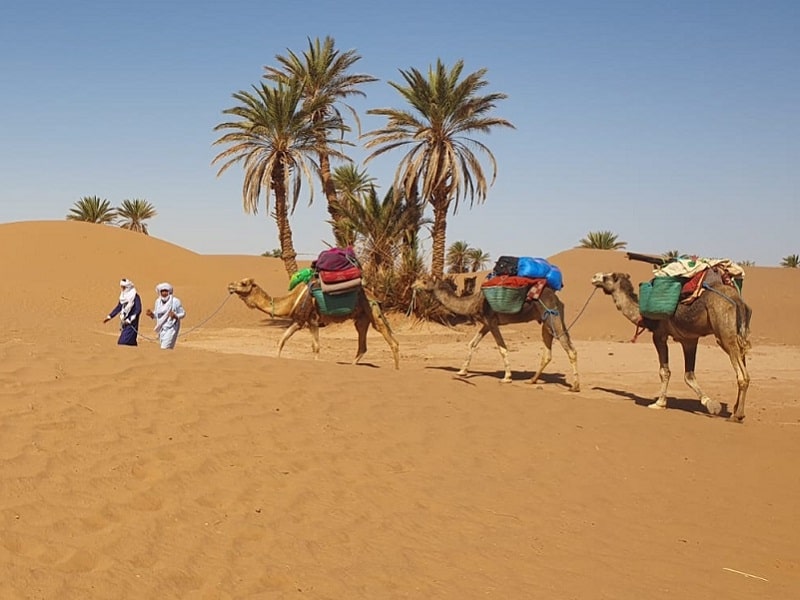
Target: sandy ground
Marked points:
220	471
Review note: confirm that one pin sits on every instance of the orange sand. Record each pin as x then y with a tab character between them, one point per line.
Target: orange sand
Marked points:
218	471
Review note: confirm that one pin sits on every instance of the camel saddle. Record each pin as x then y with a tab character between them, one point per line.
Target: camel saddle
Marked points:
694	286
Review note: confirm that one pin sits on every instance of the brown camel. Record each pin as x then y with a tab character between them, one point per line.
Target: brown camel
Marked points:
301	307
548	310
718	311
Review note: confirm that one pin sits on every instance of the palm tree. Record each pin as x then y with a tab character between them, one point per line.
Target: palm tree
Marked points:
323	73
457	257
134	213
92	210
440	165
792	261
351	186
276	141
385	234
602	240
671	255
477	259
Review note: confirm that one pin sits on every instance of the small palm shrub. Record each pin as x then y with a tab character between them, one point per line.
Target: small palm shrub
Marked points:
602	240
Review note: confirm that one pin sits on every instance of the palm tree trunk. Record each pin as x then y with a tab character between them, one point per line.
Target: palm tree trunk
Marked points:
439	238
330	194
288	253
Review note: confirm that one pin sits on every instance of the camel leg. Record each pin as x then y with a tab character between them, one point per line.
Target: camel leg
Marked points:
380	324
662	348
689	360
559	330
287	334
742	381
483	329
572	354
501	346
739	362
547	353
314	329
362	325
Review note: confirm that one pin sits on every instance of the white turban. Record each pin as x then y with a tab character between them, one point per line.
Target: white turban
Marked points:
164	305
126	297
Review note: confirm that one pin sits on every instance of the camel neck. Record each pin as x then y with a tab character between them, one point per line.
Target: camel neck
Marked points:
628	305
277	307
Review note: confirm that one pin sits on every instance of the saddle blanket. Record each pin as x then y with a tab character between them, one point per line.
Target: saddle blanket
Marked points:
337	276
535	286
693	287
340	287
689	266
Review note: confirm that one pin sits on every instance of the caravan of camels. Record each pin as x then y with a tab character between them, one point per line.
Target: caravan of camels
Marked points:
705	301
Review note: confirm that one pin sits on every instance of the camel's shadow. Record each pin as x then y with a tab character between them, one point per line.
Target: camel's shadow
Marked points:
349	363
277	323
516	376
673	403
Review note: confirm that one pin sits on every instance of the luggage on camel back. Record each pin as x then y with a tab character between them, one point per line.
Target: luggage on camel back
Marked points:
301	276
506	292
681	281
338	281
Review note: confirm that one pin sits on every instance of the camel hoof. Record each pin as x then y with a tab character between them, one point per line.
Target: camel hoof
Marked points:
505	380
462	373
656	406
532	381
735	419
712	406
575	388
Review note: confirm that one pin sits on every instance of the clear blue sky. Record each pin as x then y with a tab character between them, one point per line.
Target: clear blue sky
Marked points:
675	124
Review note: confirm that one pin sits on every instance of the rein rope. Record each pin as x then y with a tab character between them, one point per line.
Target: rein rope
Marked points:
184	333
551	312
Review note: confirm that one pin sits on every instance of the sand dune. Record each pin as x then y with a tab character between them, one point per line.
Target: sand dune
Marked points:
219	471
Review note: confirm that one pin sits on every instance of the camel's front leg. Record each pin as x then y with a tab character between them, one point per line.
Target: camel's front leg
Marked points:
362	325
689	361
483	329
660	343
287	334
501	346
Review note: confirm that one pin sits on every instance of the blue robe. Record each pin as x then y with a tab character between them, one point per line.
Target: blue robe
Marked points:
129	327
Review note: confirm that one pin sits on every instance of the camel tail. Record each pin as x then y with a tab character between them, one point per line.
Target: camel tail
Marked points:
743	314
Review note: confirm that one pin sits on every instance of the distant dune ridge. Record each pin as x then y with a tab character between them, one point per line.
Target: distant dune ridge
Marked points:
218	471
71	271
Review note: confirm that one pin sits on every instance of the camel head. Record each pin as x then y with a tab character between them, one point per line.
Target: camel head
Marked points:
243	287
429	283
608	282
424	283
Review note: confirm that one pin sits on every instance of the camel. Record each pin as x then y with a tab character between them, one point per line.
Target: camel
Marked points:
548	310
301	307
718	311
